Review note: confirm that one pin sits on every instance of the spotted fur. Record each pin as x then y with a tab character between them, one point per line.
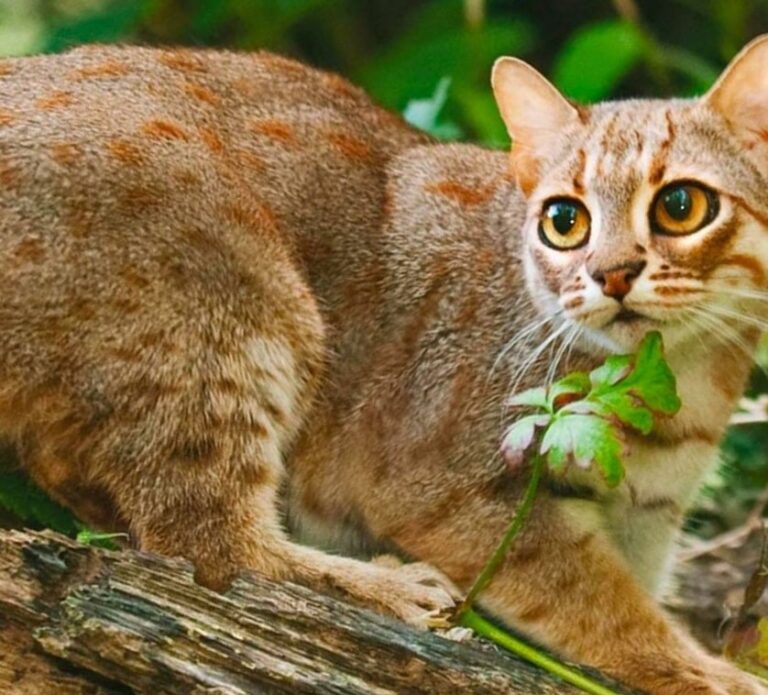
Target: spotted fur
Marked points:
231	276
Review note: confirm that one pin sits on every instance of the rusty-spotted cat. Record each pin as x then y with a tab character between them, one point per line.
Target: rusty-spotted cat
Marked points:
231	281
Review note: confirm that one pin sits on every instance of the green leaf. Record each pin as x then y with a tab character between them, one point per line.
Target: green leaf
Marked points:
427	51
31	505
584	439
100	540
534	398
613	370
596	57
520	435
626	409
107	24
584	413
574	384
652	380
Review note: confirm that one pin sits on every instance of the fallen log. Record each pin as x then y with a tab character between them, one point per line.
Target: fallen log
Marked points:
76	619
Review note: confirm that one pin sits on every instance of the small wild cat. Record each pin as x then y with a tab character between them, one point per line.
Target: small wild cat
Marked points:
229	278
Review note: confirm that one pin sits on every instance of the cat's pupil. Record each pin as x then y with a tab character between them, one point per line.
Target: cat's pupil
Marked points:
677	203
563	216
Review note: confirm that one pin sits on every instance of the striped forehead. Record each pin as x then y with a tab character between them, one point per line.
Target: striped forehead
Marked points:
625	146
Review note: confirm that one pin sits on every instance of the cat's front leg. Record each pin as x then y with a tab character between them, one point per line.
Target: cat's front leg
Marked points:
570	589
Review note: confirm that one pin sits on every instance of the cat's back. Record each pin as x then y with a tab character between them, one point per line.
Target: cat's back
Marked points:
112	90
128	130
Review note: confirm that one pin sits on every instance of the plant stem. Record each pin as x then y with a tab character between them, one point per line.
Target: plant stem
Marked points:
494	562
487	629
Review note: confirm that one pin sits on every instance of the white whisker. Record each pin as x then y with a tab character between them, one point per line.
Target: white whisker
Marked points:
745	293
722	330
531	360
738	316
564	345
519	338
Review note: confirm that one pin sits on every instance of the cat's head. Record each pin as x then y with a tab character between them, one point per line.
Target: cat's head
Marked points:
645	214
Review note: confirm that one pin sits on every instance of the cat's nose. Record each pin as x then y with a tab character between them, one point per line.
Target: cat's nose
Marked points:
617	281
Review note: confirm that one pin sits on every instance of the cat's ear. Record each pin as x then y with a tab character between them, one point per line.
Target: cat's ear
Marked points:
741	92
534	112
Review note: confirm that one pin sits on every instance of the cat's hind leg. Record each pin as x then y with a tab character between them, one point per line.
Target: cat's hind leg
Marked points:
179	409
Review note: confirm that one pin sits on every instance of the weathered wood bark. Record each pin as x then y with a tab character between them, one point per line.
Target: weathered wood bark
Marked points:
74	619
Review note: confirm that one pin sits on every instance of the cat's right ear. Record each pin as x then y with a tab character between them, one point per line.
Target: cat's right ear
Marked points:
534	112
741	92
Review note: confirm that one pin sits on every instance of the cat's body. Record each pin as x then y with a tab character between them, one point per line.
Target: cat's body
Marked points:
222	270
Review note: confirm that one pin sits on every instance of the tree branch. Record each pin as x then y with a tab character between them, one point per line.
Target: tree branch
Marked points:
75	619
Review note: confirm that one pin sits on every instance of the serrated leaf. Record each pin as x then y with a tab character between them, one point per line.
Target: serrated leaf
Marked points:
626	409
520	435
556	459
613	370
586	439
652	380
534	398
576	384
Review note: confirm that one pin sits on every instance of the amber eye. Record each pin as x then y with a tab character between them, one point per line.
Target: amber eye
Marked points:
683	208
564	224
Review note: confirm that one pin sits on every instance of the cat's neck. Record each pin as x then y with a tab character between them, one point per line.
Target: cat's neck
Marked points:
712	375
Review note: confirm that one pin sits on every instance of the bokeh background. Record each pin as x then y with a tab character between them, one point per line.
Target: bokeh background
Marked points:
430	59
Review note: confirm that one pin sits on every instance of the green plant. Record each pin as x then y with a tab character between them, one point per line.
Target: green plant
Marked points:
580	420
29	504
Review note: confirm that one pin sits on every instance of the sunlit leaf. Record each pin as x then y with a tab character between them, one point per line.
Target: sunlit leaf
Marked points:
596	57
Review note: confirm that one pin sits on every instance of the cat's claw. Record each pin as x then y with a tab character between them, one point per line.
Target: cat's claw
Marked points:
416	592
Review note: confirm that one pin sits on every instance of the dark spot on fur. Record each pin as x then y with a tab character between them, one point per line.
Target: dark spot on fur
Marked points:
164	129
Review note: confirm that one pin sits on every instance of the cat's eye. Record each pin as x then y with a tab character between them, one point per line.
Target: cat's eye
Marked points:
564	224
683	208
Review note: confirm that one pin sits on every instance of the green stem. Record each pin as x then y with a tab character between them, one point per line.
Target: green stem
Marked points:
487	629
495	561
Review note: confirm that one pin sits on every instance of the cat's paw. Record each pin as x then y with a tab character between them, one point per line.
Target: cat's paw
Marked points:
414	592
708	676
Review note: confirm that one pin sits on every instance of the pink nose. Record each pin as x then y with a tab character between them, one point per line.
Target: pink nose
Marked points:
617	282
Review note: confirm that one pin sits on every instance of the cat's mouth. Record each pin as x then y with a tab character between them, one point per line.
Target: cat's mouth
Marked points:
628	316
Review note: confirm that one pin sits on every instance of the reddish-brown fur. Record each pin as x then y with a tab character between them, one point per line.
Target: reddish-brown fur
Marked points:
225	276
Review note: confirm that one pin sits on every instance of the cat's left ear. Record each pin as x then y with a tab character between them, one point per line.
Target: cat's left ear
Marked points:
741	92
534	112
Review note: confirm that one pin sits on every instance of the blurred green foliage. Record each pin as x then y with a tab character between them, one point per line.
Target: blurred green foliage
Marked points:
431	59
400	49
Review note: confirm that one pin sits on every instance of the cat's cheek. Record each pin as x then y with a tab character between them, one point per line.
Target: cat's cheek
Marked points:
554	269
542	290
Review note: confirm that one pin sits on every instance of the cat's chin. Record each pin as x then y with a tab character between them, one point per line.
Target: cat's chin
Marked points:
625	330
